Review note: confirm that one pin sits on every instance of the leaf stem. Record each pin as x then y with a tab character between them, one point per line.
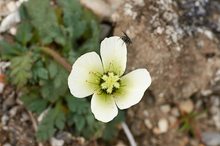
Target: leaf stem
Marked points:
57	57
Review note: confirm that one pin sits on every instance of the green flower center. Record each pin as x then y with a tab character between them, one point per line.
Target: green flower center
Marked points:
110	82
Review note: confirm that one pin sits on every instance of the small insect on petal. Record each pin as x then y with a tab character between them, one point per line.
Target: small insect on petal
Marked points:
126	38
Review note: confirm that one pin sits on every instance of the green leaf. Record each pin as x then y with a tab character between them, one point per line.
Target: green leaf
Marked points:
8	50
43	18
34	103
48	92
73	17
92	41
21	70
60	122
60	80
53	69
111	130
24	33
52	93
72	31
42	73
56	87
81	122
55	118
76	105
82	118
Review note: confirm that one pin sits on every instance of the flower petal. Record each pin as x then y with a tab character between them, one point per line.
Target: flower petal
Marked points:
103	107
114	55
84	78
133	86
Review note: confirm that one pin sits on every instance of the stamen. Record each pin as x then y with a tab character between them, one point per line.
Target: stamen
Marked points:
110	82
96	73
91	82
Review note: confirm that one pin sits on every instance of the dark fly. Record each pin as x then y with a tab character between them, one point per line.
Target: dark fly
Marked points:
126	39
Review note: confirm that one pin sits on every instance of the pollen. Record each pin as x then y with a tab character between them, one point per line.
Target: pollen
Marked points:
110	81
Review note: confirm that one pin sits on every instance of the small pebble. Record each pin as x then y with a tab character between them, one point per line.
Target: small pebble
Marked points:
66	136
146	113
6	144
165	108
120	143
163	125
172	120
11	6
56	142
156	131
216	119
24	117
167	16
159	30
148	124
206	92
175	112
13	111
4	119
13	30
215	100
139	2
198	104
5	128
10	101
186	106
2	85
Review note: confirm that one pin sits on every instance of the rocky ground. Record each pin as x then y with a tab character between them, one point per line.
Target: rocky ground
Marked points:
178	42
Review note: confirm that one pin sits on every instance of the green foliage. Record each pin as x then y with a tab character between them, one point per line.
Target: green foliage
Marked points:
54	118
8	51
44	20
187	123
71	31
81	115
24	34
111	131
34	102
21	69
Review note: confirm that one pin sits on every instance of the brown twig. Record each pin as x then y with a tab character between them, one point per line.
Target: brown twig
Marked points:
34	123
56	56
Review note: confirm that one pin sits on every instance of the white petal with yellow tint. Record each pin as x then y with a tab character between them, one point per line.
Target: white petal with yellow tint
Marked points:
132	88
114	55
85	75
103	107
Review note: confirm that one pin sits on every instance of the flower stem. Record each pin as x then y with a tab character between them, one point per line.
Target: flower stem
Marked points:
128	134
57	57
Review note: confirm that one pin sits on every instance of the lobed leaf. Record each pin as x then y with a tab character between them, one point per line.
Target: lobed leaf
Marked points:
53	120
34	103
21	70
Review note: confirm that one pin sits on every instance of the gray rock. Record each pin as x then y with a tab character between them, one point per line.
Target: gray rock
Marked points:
211	138
56	142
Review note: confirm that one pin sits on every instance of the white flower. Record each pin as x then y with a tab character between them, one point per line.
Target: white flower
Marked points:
103	78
